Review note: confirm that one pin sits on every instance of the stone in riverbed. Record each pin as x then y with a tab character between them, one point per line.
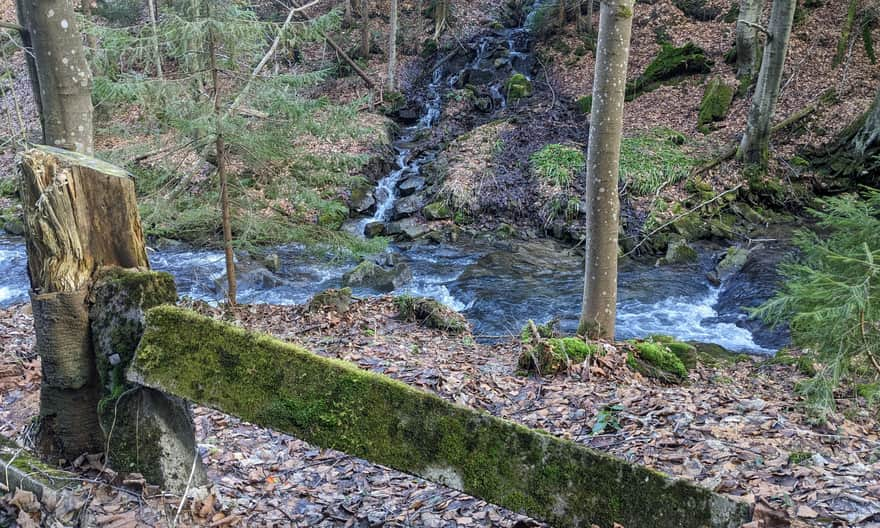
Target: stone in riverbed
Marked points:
411	185
437	211
374	229
733	261
679	252
407	228
407	206
368	274
362	200
336	300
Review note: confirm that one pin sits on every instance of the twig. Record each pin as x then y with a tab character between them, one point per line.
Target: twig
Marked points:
682	215
11	25
192	472
759	27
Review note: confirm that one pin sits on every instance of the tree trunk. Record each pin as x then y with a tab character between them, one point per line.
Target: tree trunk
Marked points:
590	13
231	292
747	39
27	44
603	155
63	74
80	214
392	48
347	16
86	8
157	57
365	28
441	14
755	146
855	154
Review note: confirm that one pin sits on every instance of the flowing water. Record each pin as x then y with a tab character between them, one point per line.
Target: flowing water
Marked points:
498	285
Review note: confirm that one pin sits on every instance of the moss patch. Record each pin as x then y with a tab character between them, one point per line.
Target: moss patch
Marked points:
670	64
334	404
655	359
518	87
551	355
715	104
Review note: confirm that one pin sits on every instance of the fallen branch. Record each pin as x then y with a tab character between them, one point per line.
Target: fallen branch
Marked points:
680	216
361	73
11	25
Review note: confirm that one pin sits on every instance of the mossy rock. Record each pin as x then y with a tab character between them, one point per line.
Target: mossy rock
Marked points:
518	87
333	219
679	252
734	260
686	352
655	360
338	300
431	314
670	64
714	355
437	211
715	104
553	355
698	9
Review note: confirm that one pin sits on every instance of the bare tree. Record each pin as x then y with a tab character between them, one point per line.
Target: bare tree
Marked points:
64	81
365	27
755	146
603	155
392	48
747	38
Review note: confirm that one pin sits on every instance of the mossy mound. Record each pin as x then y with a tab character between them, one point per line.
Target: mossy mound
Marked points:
715	355
656	359
518	87
679	252
333	299
430	313
437	211
555	354
715	104
670	64
698	9
585	104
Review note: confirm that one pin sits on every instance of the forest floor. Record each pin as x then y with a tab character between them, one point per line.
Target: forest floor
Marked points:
736	427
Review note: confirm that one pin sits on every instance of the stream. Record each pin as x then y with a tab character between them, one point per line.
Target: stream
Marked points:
497	284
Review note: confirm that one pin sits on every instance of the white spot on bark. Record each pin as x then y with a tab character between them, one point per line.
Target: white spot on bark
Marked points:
51	13
64	23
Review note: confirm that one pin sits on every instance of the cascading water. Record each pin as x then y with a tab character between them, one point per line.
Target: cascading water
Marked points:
496	289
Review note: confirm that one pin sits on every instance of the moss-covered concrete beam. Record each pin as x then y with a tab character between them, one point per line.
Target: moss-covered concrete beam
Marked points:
335	405
22	469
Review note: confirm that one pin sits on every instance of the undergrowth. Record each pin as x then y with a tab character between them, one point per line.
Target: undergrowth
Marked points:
558	164
653	160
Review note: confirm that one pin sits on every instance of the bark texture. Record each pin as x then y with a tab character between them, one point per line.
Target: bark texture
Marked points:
65	82
855	154
603	155
747	38
392	48
80	214
364	6
755	146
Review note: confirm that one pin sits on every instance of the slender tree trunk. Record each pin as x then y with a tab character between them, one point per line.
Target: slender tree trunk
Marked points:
365	28
755	146
603	155
80	214
560	5
747	38
347	16
590	14
221	173
86	8
63	74
392	48
21	8
157	57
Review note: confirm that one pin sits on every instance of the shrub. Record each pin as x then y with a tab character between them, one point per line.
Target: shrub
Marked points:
831	297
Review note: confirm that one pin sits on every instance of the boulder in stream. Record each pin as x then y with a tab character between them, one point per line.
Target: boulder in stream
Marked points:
407	229
410	185
407	206
361	200
368	274
374	229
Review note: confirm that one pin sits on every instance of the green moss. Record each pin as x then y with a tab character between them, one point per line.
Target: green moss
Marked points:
713	355
333	404
518	86
799	457
658	356
698	9
715	104
430	313
552	355
437	211
670	64
869	391
585	104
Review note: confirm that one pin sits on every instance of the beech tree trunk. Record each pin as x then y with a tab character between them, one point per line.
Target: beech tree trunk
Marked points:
755	146
80	214
365	28
157	56
347	16
392	49
63	75
747	38
603	155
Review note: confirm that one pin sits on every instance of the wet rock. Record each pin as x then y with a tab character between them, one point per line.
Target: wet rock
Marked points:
368	274
333	299
408	229
483	104
437	211
14	227
272	261
679	252
479	76
374	229
733	261
411	185
260	278
407	206
518	87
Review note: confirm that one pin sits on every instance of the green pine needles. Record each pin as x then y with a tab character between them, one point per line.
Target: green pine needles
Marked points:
831	297
262	108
